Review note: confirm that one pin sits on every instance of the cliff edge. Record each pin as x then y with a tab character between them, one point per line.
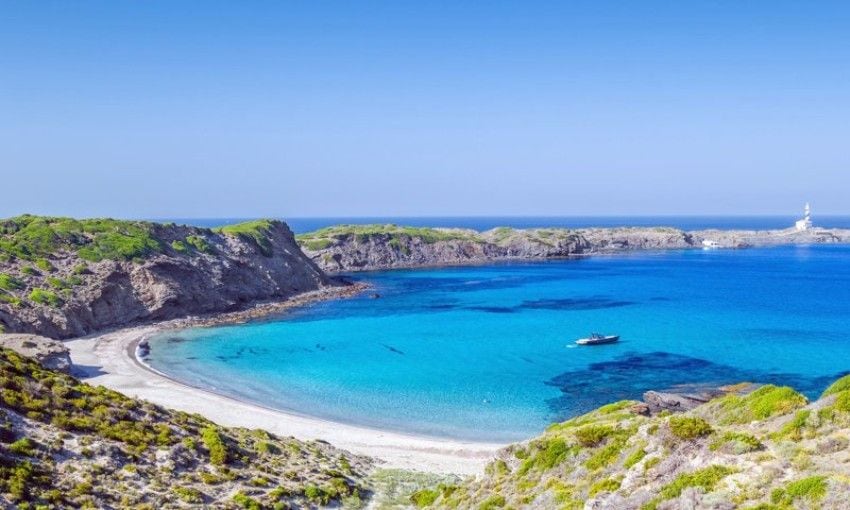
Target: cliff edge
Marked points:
62	277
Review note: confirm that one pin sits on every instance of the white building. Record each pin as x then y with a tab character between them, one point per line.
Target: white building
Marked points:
806	222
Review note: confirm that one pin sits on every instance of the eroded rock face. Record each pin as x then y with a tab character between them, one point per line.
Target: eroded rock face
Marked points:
52	354
233	271
388	246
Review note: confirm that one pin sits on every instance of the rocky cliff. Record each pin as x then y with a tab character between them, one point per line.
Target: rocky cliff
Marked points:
62	278
369	247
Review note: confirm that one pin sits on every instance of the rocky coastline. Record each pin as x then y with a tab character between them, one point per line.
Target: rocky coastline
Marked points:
117	274
348	248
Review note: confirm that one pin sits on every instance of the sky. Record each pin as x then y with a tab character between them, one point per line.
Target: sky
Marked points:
172	108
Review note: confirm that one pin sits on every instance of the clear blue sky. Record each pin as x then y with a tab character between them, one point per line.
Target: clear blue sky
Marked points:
313	108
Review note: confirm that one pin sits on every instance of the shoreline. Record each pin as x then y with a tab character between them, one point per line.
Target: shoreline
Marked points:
110	359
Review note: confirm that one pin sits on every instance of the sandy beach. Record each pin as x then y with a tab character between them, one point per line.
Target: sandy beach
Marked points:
109	360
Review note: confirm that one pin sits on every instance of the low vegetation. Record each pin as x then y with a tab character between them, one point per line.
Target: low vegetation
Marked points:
325	237
48	261
66	444
768	450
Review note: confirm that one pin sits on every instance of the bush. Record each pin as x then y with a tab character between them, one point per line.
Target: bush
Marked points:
494	501
23	446
10	282
258	231
765	402
179	246
812	489
424	497
707	479
199	243
246	501
56	283
189	495
212	440
44	297
592	435
838	386
689	427
737	443
606	485
44	265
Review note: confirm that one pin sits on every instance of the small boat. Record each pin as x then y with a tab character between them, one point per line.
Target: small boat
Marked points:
597	339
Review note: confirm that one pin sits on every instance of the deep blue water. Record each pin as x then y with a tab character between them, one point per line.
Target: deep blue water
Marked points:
486	352
300	225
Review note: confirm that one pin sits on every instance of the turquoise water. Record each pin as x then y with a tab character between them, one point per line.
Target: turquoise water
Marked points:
486	352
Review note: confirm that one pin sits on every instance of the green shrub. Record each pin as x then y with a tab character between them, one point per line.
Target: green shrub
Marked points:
316	244
689	427
424	497
812	489
634	457
57	283
19	481
44	265
12	300
29	270
494	501
23	446
199	243
838	386
258	231
737	443
8	282
246	502
765	402
189	495
592	435
794	428
706	478
607	454
179	246
212	440
44	297
606	485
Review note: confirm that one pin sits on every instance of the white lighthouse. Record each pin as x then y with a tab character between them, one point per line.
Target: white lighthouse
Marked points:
806	222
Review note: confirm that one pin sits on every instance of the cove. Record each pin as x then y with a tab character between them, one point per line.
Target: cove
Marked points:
486	352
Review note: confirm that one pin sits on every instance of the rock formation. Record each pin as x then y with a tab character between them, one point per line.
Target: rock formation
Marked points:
371	247
62	292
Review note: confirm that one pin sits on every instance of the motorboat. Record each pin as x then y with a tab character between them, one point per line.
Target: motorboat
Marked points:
597	339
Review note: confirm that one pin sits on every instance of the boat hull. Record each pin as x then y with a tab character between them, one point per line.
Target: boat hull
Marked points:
598	341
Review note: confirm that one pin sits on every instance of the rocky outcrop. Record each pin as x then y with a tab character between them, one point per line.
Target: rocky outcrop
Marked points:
371	247
52	354
191	271
767	449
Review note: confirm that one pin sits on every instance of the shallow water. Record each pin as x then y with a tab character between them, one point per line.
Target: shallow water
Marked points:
486	352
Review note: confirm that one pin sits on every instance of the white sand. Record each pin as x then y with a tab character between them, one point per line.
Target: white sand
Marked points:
107	360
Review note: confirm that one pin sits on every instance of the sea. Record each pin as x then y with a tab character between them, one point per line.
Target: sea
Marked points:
487	352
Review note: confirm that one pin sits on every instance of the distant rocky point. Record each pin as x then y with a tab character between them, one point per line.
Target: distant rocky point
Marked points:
371	247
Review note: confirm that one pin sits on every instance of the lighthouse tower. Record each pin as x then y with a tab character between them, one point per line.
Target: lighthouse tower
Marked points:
806	222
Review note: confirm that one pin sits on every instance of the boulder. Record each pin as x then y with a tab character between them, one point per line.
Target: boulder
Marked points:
50	353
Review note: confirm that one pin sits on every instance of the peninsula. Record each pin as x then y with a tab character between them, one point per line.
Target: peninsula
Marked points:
371	247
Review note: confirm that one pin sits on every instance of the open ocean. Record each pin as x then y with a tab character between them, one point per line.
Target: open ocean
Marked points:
487	352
